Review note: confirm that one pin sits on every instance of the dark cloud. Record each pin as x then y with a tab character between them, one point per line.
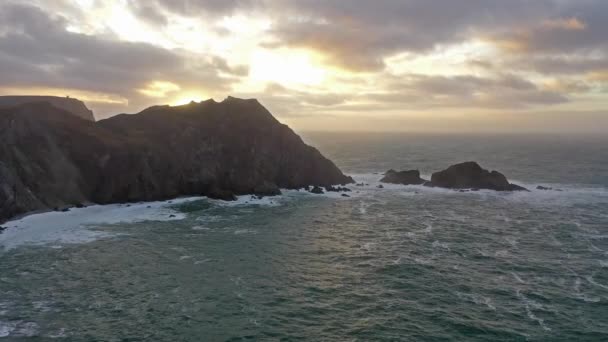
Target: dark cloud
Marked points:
148	12
358	35
194	8
577	26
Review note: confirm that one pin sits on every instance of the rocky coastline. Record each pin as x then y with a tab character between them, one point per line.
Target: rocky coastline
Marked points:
51	159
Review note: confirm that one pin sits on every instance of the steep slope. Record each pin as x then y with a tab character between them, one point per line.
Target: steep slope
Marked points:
49	158
71	105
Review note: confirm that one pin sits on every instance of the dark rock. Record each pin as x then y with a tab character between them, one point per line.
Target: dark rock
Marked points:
171	216
316	190
345	195
540	187
337	189
267	189
411	177
331	189
70	105
65	210
470	175
221	194
149	207
51	158
80	206
380	186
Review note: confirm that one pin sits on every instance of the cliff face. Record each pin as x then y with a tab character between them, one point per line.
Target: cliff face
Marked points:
70	105
50	158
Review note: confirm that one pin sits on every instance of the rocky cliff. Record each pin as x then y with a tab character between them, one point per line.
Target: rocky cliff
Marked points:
50	158
70	105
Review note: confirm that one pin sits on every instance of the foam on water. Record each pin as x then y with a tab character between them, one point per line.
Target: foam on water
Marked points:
78	224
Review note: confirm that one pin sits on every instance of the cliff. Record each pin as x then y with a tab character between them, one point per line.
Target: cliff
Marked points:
50	158
70	105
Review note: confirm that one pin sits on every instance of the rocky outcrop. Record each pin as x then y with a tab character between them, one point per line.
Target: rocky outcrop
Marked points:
71	105
266	189
411	177
51	159
470	175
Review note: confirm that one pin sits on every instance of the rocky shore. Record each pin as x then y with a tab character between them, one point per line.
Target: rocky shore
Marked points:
53	159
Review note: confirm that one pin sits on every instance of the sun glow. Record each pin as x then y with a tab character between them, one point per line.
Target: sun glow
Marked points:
184	99
286	67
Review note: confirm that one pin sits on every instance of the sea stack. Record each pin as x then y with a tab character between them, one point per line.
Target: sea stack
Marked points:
470	175
51	158
411	177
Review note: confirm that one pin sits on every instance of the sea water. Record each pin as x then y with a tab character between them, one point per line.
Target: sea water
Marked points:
393	264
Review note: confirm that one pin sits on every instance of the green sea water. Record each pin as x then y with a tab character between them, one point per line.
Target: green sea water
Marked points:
393	264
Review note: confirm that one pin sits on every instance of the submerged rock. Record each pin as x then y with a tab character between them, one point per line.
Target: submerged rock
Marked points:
331	188
411	177
51	158
316	190
266	189
470	175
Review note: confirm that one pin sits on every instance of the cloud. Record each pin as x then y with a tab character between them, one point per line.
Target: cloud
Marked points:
383	55
150	12
428	92
575	26
37	51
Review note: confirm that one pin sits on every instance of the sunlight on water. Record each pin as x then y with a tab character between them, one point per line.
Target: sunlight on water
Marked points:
385	264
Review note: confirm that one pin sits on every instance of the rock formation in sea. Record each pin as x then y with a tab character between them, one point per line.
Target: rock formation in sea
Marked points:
411	177
470	175
50	158
68	104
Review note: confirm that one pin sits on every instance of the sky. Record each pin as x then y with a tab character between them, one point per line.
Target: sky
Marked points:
346	65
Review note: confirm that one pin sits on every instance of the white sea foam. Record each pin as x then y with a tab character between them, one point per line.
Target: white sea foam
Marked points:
593	282
18	329
477	299
245	231
563	195
518	278
529	306
78	224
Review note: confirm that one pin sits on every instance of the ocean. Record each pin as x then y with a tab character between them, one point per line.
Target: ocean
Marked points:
402	263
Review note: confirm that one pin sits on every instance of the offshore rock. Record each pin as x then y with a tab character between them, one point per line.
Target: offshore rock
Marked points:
470	175
411	177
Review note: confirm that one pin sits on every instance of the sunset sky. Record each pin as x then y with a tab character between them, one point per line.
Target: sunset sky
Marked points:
382	65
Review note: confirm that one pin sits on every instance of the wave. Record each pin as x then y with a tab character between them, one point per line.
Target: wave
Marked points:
78	224
561	195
